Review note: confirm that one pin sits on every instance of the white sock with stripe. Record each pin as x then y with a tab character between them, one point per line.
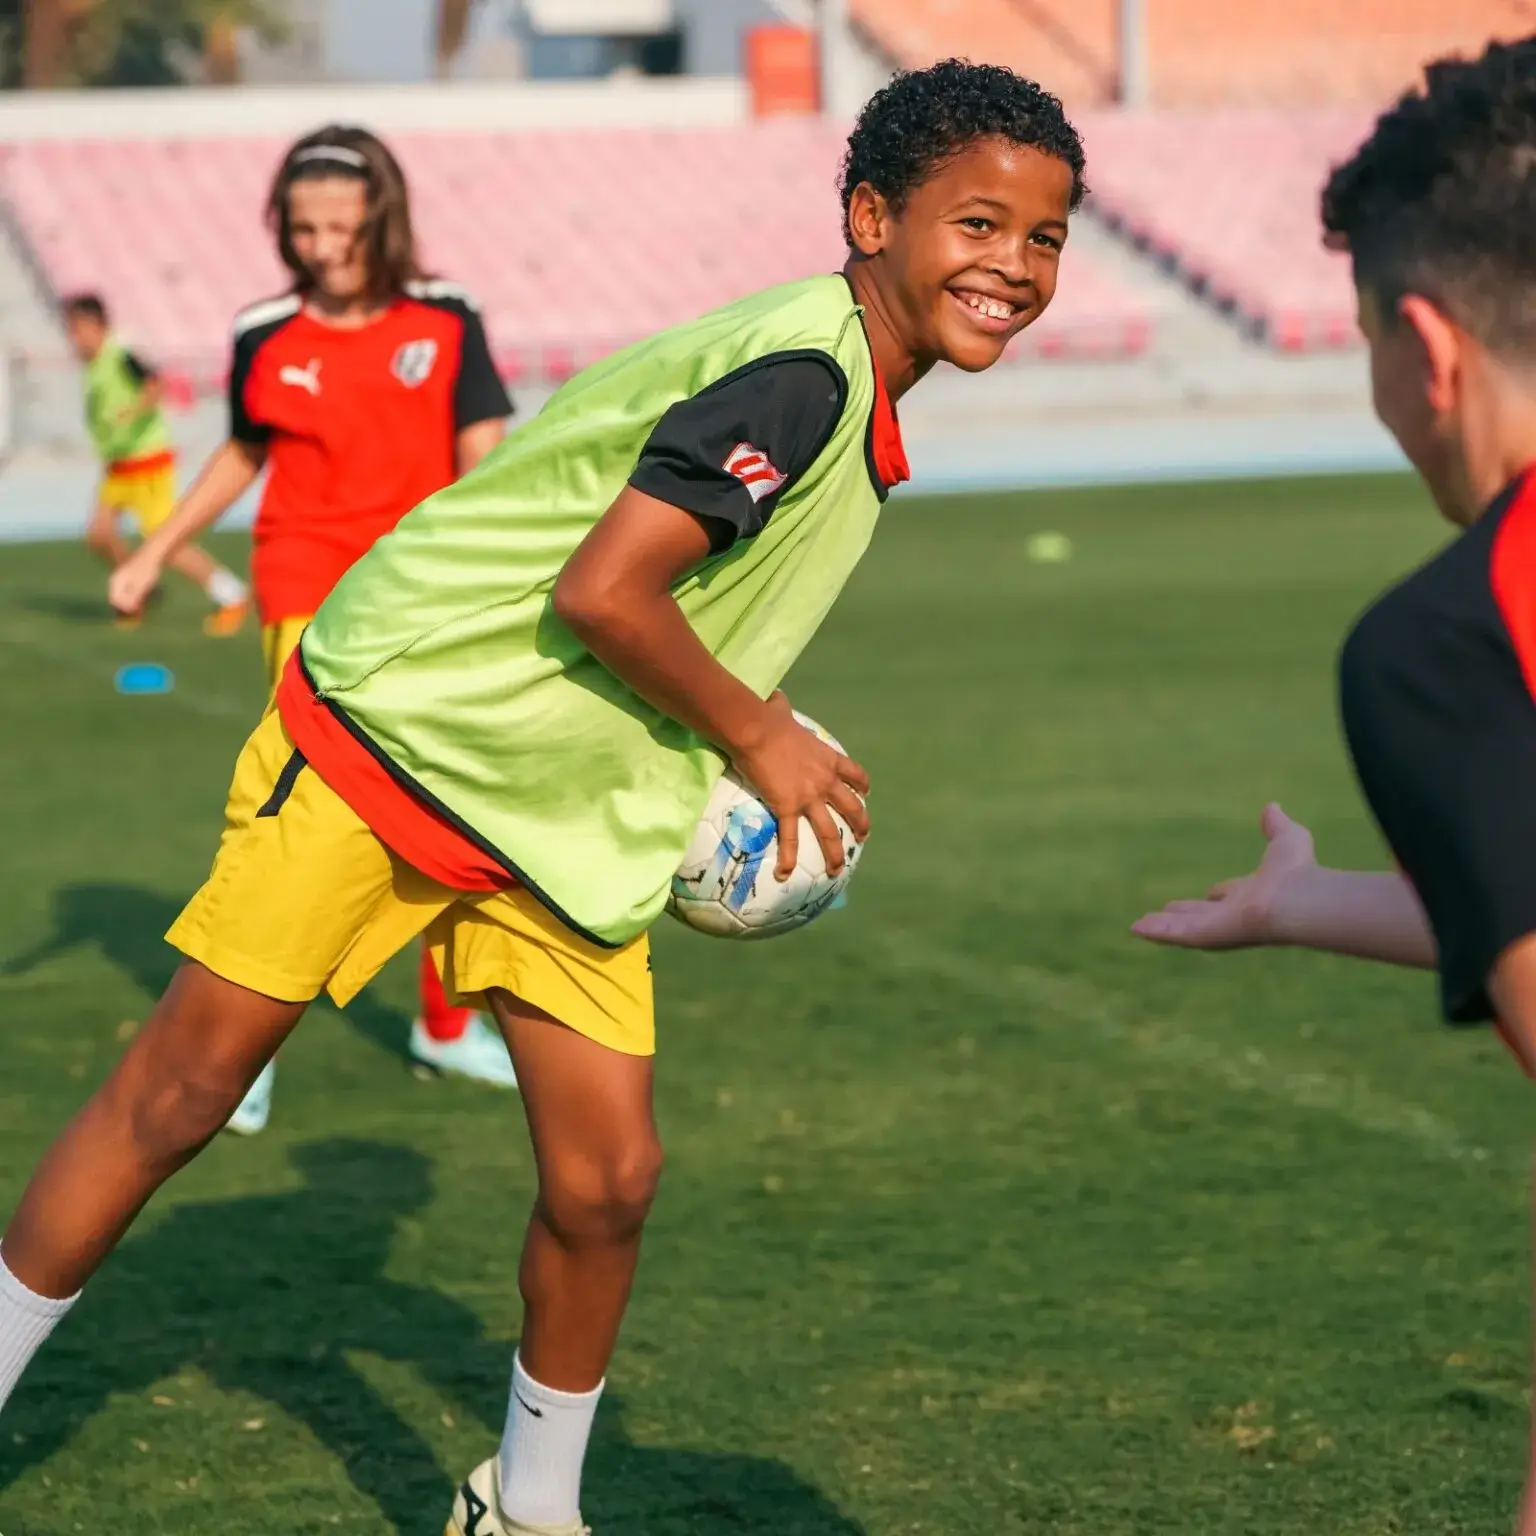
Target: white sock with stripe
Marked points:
225	589
542	1450
26	1320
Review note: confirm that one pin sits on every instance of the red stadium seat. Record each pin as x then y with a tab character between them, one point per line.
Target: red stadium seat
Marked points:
574	242
1199	52
1229	199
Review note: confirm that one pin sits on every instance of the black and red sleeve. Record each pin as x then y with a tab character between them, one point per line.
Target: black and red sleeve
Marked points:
1436	695
478	393
732	452
245	425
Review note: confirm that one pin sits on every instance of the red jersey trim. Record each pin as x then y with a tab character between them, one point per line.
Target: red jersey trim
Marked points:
404	823
406	818
887	452
145	464
1510	567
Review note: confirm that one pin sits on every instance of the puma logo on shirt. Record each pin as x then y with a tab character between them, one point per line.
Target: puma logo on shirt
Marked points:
302	378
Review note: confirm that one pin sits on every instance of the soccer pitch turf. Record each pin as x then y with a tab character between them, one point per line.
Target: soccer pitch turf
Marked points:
979	1216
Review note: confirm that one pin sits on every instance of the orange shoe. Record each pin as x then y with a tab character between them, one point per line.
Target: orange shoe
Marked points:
228	620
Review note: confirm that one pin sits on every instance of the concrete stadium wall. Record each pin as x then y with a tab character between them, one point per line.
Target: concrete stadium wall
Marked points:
204	111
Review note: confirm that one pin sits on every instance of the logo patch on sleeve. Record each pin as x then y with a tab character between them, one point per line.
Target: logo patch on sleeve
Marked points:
755	470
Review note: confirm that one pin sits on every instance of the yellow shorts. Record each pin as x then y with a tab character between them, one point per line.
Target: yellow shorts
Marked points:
149	497
277	645
303	898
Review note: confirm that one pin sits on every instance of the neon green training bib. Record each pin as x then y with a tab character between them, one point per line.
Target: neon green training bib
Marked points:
441	650
113	394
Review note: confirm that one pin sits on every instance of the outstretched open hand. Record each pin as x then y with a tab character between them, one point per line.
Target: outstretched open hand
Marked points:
1237	913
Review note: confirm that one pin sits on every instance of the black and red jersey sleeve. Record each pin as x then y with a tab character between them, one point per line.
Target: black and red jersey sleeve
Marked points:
478	393
1435	691
254	328
730	453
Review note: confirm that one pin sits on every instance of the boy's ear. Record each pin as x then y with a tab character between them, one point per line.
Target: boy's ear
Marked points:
869	219
1441	341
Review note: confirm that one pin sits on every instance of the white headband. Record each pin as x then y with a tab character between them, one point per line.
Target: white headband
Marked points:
333	152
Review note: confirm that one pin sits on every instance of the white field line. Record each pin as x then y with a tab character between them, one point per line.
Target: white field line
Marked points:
1251	1071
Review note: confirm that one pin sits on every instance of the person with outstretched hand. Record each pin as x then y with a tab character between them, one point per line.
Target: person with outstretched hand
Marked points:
1437	681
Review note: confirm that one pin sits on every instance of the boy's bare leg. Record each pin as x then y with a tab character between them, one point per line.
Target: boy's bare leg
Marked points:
599	1159
169	1095
102	537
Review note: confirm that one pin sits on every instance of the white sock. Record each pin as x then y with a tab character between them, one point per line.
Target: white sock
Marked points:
225	589
542	1450
26	1320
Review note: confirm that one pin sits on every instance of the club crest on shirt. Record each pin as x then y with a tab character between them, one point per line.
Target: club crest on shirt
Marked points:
755	470
414	362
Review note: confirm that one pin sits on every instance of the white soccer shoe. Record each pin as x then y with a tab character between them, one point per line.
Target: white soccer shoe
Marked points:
479	1053
477	1510
250	1119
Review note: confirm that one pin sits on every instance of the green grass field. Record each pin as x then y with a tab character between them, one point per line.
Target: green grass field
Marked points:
979	1216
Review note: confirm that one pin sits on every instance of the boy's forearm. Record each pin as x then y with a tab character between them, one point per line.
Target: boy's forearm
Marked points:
648	644
1369	916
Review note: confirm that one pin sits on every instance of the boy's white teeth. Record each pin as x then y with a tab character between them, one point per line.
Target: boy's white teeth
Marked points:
993	309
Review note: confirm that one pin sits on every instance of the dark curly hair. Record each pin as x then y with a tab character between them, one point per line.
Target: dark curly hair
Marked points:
925	117
1441	199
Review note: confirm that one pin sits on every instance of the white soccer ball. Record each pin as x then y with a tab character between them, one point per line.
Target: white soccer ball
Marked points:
726	886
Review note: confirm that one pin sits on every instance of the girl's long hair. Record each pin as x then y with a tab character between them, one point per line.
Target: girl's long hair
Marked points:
387	233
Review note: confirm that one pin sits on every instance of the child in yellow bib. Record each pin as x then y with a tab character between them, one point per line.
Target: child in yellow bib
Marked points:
126	419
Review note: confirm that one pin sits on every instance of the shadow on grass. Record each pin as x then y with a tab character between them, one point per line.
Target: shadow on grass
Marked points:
266	1295
71	607
127	924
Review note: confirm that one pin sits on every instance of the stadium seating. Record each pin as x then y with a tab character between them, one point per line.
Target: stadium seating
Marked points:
1229	199
575	242
1067	44
1199	52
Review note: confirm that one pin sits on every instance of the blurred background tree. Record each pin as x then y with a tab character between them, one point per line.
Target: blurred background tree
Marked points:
45	43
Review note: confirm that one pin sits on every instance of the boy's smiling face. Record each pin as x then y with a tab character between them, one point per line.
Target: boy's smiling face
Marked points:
971	257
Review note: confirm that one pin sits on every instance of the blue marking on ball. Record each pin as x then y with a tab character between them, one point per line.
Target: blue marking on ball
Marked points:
749	833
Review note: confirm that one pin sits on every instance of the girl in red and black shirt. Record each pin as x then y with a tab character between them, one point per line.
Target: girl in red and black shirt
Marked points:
361	391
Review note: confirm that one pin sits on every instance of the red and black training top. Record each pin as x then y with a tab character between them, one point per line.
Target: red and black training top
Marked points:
1437	688
358	427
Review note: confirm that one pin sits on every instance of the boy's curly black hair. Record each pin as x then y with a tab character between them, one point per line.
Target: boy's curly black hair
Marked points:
1441	199
927	116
